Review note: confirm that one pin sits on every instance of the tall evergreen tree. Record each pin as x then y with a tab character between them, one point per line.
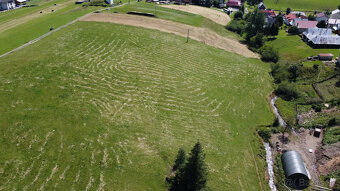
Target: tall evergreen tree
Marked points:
195	172
190	175
180	160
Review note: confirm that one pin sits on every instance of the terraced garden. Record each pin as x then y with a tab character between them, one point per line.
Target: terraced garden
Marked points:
104	106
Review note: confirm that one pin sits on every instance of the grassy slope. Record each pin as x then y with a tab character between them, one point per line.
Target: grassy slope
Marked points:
163	13
177	16
134	95
292	48
34	28
309	5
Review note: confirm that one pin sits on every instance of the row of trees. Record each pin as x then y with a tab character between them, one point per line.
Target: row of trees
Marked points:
254	30
189	174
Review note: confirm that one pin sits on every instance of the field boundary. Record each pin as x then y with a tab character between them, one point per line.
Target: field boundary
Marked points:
203	35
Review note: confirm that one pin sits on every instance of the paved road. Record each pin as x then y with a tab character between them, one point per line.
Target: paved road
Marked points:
49	33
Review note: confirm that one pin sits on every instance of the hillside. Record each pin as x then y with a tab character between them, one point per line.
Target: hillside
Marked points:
106	106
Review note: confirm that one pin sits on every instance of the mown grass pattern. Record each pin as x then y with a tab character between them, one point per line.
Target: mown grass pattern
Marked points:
104	106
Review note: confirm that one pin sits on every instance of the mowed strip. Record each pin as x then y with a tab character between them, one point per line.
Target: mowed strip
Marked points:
48	10
217	16
200	34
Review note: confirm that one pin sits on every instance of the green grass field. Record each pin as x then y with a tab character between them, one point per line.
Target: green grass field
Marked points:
176	16
163	13
37	26
304	5
292	48
106	106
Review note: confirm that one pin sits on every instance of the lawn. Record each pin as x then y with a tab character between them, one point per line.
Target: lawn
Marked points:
292	48
99	105
304	5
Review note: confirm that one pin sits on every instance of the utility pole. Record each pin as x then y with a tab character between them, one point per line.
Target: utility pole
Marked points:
188	36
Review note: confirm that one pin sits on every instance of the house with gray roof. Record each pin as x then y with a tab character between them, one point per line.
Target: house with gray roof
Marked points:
321	38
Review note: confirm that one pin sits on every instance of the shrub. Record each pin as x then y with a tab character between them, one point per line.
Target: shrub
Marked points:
293	30
317	107
269	54
237	26
256	41
332	122
265	133
279	72
287	91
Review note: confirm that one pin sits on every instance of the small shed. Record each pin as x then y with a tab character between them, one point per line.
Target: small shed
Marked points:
317	132
295	170
325	57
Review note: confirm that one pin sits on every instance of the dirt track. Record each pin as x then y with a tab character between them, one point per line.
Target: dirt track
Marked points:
217	16
200	34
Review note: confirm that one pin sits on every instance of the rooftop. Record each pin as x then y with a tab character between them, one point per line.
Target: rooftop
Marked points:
302	24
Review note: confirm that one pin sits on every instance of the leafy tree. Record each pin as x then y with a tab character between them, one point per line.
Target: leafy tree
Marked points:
237	26
339	7
195	171
279	72
322	24
317	107
242	8
255	24
287	91
238	15
316	66
311	17
279	20
294	71
180	160
269	54
256	41
276	122
288	10
293	30
265	133
332	122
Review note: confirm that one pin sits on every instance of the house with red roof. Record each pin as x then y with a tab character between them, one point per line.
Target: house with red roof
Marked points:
234	3
269	12
303	25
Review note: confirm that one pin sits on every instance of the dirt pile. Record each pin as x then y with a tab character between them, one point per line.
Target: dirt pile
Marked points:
328	158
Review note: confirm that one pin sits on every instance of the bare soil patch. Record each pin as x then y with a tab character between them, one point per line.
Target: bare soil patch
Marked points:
200	34
218	17
328	158
301	141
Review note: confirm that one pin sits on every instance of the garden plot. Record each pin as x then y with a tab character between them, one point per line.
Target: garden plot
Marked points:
100	106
